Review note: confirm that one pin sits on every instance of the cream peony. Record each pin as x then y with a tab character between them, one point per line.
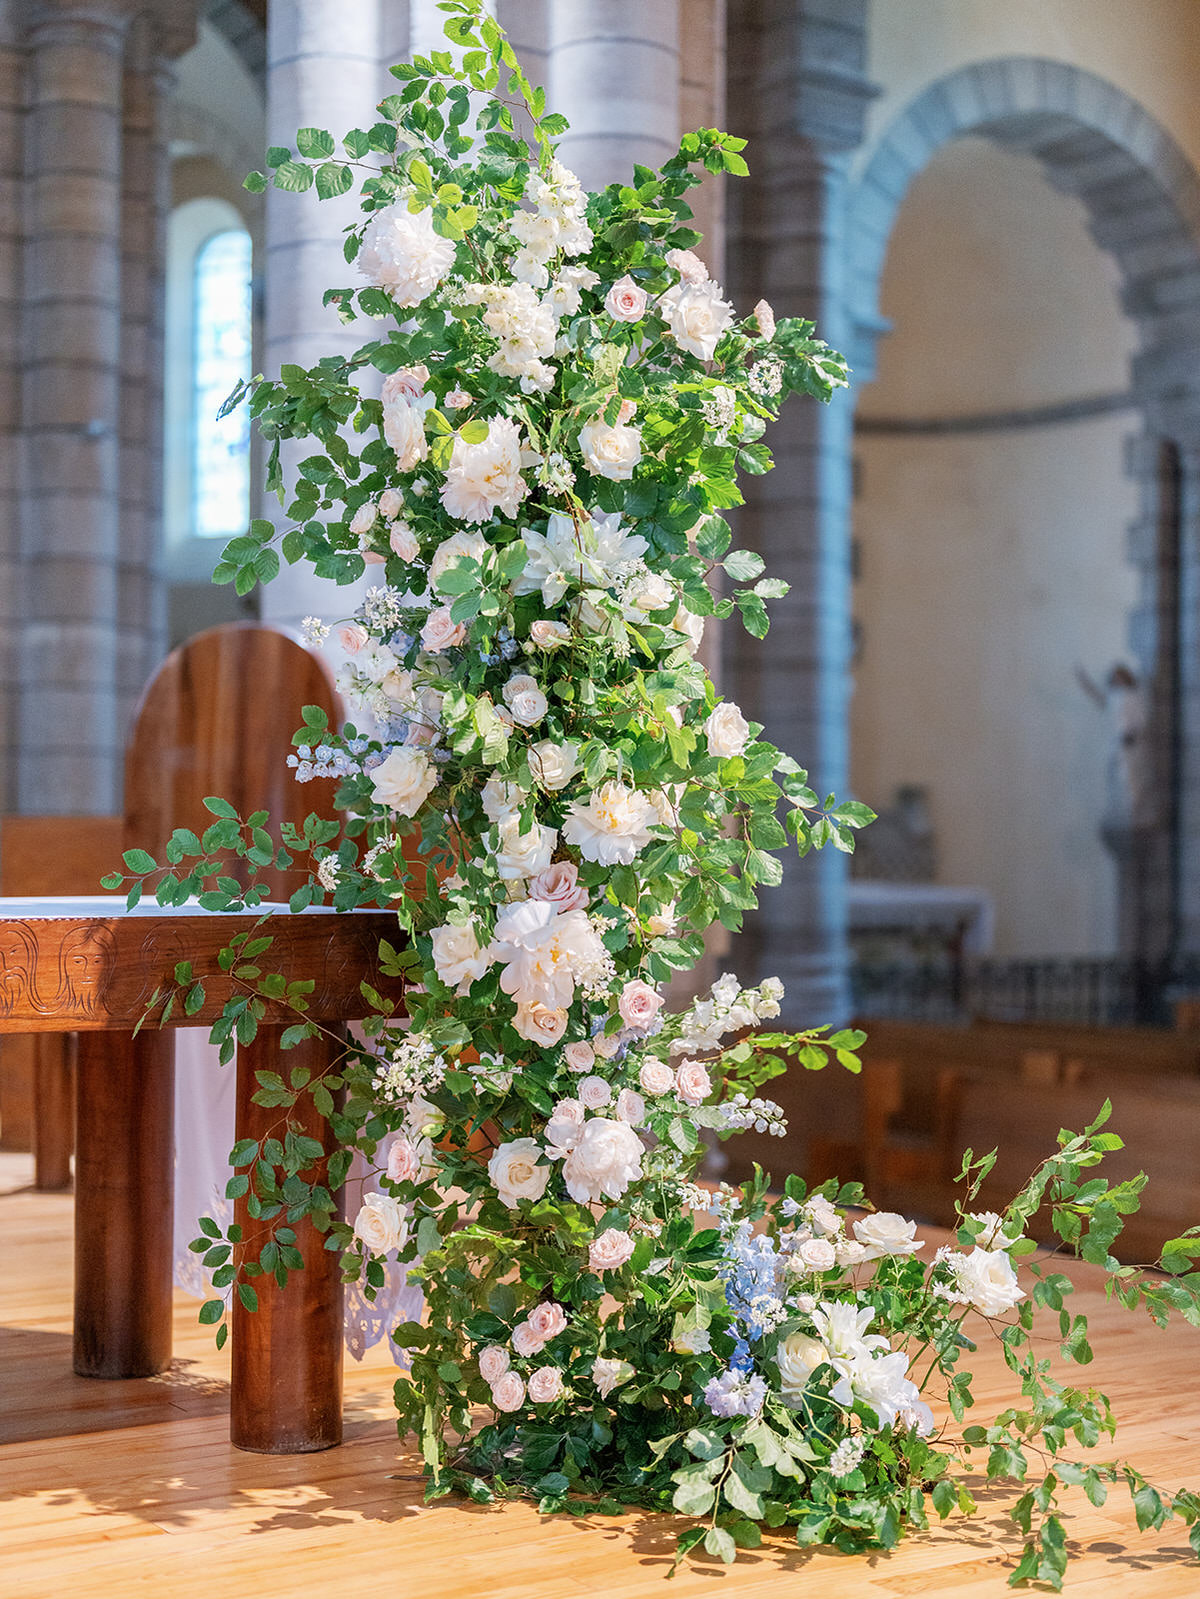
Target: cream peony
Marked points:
727	731
515	1172
457	956
508	1392
612	826
403	253
540	1024
381	1224
607	1158
545	1385
485	477
404	781
697	316
552	765
543	951
626	300
610	452
404	430
887	1233
494	1361
609	1250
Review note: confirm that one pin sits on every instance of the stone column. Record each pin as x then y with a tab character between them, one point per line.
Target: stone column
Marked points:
796	89
614	71
69	745
323	71
702	105
12	610
1188	758
145	204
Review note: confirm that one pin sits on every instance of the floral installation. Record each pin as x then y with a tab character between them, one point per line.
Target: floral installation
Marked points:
534	448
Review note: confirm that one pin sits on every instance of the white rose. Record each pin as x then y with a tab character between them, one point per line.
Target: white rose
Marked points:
626	300
410	1160
797	1358
987	1278
549	635
887	1233
363	519
515	1172
404	430
609	1250
610	452
690	267
519	855
501	801
563	1128
764	319
458	547
579	1055
607	1158
390	504
528	707
508	1393
381	1224
553	765
727	731
457	956
404	781
692	1082
697	316
609	1374
816	1254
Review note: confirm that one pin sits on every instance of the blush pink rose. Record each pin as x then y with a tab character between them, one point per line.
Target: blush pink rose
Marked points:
493	1363
441	631
631	1107
559	886
692	1082
508	1393
625	301
639	1004
525	1341
351	637
593	1092
606	1044
656	1077
547	1320
609	1250
403	541
545	1385
579	1056
404	1161
407	384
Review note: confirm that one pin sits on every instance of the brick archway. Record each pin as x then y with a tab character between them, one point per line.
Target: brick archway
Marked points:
1142	200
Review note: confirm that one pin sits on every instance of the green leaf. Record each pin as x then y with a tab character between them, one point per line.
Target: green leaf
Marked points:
254	182
333	179
694	1497
742	565
139	861
293	176
314	143
719	1542
211	1311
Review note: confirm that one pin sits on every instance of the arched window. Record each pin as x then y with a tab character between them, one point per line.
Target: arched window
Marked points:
208	349
221	343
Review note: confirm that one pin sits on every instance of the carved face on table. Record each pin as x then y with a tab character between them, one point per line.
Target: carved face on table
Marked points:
86	962
18	967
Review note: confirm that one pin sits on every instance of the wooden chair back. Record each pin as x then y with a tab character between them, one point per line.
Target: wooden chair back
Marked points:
218	718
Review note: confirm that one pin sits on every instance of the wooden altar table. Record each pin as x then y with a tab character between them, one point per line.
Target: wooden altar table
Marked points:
89	967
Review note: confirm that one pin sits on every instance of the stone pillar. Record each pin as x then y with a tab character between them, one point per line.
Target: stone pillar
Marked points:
12	610
614	71
1188	767
323	71
145	204
702	105
69	745
797	90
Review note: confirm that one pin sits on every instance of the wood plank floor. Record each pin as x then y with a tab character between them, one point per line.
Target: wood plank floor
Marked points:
115	1489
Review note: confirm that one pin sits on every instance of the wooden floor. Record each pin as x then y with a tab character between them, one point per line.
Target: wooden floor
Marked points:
115	1489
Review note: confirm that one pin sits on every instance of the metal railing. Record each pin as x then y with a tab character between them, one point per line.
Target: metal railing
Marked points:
1095	991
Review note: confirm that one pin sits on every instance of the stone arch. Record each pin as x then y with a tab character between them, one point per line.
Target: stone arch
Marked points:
1141	197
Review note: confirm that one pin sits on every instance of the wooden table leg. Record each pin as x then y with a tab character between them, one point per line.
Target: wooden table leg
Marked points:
287	1355
124	1202
53	1109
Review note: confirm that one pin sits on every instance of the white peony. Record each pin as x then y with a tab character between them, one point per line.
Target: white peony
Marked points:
485	477
607	1158
457	957
520	854
697	316
515	1172
552	765
381	1224
612	826
402	253
404	781
727	731
544	951
887	1233
404	430
611	452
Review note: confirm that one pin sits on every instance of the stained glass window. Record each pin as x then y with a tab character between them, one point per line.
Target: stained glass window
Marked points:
221	448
